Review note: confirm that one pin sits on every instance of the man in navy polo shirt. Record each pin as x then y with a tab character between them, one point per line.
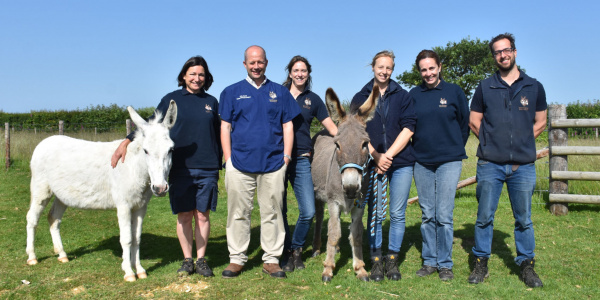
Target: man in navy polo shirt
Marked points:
508	112
257	136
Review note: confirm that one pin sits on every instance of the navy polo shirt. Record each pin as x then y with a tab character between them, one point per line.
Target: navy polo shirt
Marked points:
442	128
256	117
311	106
196	132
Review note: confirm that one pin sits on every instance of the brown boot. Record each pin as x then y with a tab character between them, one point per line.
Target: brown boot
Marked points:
232	271
274	270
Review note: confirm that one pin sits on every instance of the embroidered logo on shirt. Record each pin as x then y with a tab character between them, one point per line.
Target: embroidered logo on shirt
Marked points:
307	103
208	108
273	96
243	97
524	102
443	102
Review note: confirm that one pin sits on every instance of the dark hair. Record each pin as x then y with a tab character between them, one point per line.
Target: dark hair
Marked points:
288	81
502	36
192	62
427	54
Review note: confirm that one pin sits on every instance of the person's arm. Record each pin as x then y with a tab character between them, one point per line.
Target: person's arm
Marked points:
226	139
401	141
540	123
288	140
120	153
475	122
330	126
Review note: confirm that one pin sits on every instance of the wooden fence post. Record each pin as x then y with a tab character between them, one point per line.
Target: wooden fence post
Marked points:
61	124
128	126
7	138
558	137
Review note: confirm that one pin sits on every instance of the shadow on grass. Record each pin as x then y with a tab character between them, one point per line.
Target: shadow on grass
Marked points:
500	246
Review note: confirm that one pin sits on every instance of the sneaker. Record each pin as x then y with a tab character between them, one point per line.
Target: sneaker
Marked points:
426	271
203	269
391	267
446	274
297	254
528	274
376	269
232	271
287	261
480	272
187	267
274	270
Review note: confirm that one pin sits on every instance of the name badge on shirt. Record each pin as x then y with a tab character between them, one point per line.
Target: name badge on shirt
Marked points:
443	102
243	97
273	96
524	102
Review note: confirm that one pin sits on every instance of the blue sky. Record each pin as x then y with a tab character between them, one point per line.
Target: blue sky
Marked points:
74	54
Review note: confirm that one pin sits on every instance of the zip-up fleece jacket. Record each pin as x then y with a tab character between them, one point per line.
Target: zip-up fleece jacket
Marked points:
394	113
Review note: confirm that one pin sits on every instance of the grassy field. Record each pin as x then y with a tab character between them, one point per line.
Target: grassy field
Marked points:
567	248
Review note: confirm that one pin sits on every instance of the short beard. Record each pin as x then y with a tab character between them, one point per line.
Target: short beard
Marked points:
510	67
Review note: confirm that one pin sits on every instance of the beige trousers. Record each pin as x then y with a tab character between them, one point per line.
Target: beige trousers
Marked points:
240	188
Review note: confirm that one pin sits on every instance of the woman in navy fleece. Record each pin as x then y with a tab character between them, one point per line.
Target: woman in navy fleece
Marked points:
390	131
439	142
196	161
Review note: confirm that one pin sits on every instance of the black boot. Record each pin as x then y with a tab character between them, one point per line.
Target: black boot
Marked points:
391	266
287	261
376	268
528	274
480	272
297	257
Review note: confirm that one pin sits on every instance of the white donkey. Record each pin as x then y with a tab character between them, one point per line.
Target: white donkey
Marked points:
79	174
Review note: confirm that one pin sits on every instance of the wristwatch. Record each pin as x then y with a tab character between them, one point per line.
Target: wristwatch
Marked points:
288	157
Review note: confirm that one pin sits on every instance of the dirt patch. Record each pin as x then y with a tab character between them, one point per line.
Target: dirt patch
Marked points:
194	289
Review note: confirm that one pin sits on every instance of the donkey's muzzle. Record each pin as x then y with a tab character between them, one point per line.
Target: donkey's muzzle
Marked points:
351	182
160	190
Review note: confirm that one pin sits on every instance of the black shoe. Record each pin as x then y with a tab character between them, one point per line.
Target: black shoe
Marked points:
187	267
446	274
297	254
528	274
426	271
391	267
203	269
480	272
376	269
287	261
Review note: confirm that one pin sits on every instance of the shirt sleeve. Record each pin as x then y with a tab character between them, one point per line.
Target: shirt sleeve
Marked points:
225	107
540	103
291	108
463	114
320	112
408	119
477	101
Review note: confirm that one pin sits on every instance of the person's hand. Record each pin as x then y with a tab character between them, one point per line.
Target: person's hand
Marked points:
286	160
383	162
119	153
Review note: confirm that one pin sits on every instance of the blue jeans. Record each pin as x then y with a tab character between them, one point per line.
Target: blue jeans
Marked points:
299	175
436	186
520	184
400	180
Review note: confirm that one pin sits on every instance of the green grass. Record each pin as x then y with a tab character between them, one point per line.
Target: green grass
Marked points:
566	253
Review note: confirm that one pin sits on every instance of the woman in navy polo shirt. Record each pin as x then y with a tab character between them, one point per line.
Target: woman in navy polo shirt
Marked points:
390	130
298	172
439	141
196	161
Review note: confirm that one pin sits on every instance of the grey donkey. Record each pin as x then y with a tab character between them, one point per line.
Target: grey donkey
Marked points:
337	171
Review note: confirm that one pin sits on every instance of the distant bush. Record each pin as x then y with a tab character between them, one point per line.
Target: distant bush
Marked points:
583	110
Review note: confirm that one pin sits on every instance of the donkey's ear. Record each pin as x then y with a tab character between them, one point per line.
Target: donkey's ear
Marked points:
367	110
336	111
171	115
137	120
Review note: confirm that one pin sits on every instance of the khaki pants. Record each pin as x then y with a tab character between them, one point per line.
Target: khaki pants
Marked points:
240	188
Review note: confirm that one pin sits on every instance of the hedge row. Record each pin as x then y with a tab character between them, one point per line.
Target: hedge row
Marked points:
583	110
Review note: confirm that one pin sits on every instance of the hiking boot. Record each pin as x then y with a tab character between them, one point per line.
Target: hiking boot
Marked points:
376	269
426	271
446	274
287	261
232	271
480	272
203	269
528	274
391	267
297	254
187	267
274	270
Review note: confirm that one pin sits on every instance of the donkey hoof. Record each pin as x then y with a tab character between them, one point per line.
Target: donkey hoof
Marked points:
316	253
365	279
32	261
326	278
129	278
142	275
63	259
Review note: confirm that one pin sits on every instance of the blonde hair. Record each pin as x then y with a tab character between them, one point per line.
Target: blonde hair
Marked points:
388	53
